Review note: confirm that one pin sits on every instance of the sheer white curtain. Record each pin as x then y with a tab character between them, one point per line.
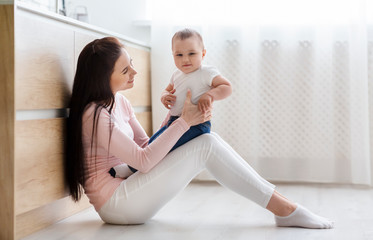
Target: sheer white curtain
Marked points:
302	103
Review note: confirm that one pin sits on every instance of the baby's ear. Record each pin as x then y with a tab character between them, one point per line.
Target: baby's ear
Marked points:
203	53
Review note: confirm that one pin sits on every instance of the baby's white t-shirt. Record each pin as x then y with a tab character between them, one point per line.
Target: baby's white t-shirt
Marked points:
199	82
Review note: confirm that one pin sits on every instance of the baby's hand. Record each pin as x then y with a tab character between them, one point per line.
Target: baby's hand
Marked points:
205	102
168	98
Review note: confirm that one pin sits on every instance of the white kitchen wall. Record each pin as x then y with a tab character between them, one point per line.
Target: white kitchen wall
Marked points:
126	17
115	15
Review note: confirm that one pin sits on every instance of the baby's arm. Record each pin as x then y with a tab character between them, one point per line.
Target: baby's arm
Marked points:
168	98
220	89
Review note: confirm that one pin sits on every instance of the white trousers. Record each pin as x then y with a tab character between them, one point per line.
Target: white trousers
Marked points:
142	195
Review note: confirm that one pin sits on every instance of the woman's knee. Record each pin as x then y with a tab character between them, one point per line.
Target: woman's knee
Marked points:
208	139
208	146
205	143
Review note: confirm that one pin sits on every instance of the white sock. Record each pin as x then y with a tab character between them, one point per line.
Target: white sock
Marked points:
302	217
122	171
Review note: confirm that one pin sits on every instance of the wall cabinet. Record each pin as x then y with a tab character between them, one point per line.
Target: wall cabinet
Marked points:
39	51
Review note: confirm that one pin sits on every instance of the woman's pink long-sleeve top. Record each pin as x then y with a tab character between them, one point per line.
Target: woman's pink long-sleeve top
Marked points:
128	144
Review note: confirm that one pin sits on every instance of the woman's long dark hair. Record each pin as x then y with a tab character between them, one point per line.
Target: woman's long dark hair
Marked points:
91	85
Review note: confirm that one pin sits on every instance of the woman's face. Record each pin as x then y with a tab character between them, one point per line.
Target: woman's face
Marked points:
123	75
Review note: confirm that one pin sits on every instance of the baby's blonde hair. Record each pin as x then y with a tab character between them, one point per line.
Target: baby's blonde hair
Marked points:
185	34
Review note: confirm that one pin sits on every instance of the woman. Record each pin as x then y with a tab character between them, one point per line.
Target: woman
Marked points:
102	132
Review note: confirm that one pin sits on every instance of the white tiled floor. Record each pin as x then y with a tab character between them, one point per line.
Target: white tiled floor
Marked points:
208	211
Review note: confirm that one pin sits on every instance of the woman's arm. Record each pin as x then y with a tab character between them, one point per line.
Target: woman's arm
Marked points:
165	121
140	136
119	144
126	149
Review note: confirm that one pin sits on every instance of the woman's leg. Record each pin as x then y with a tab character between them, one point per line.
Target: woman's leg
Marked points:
142	195
286	212
278	204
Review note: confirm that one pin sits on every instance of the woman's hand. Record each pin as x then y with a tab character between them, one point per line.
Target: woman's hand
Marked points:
191	114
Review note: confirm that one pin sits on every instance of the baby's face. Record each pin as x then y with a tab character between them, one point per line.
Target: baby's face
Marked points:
188	54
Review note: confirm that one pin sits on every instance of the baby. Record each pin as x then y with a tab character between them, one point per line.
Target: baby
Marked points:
205	83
